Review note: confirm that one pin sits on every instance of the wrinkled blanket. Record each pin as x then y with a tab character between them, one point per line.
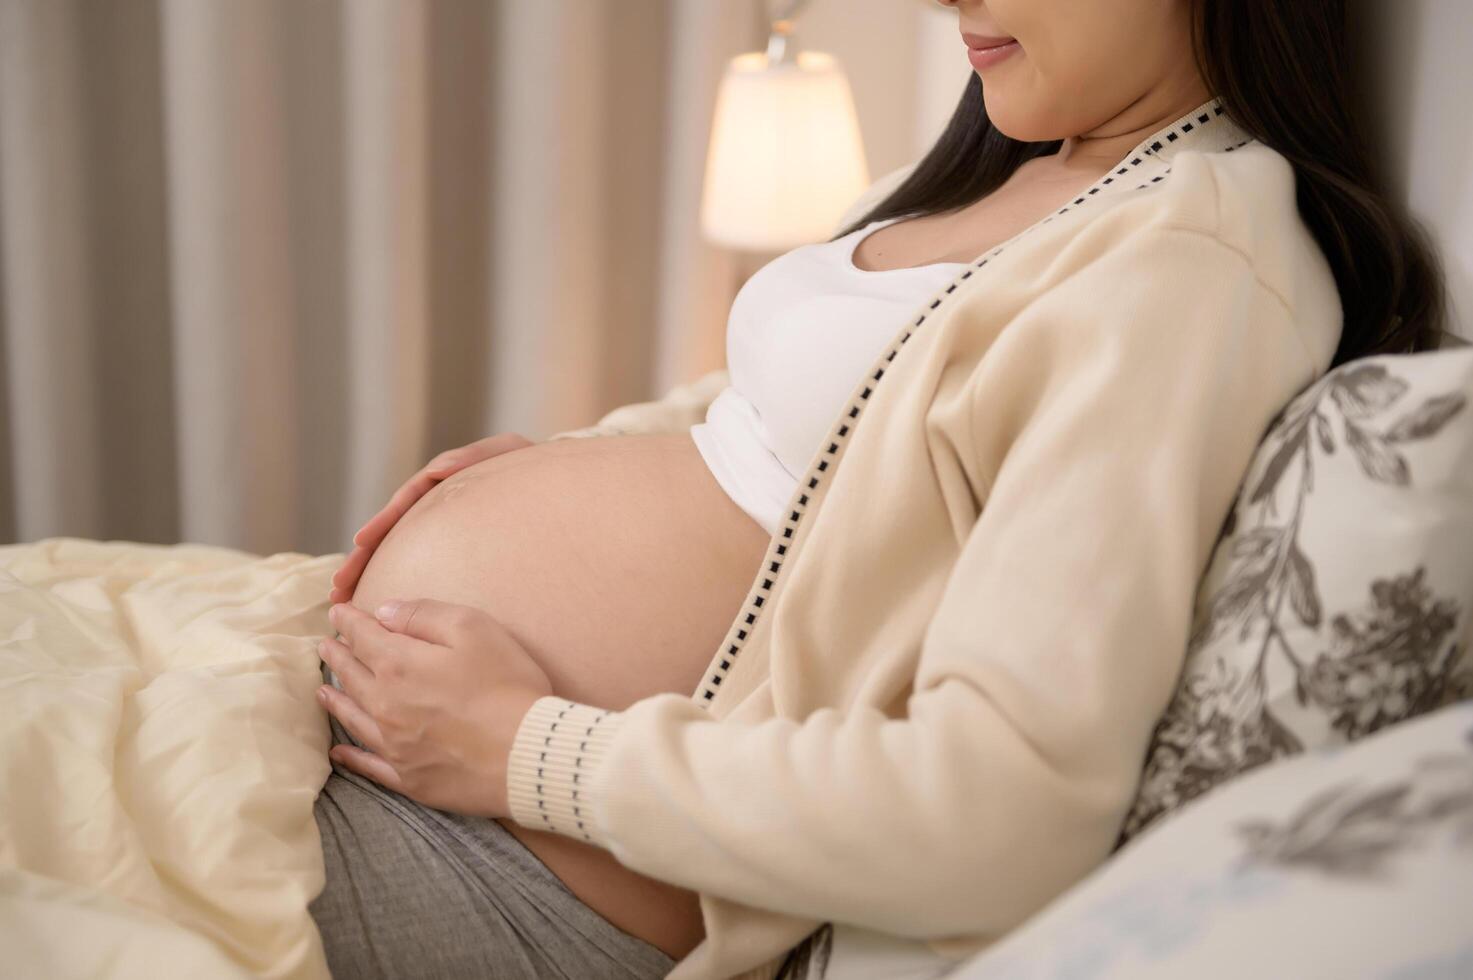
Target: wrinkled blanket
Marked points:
160	751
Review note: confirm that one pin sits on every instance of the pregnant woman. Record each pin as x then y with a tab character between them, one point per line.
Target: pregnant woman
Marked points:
874	647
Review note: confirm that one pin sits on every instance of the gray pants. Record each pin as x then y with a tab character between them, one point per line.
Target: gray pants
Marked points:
415	893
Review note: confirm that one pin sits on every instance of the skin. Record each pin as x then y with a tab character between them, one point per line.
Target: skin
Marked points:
616	565
1100	75
438	689
395	665
368	537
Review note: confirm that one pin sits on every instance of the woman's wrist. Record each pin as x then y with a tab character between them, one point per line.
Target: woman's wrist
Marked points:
555	753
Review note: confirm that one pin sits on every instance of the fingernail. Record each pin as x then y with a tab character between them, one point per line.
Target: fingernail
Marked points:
447	459
322	695
386	611
321	647
335	613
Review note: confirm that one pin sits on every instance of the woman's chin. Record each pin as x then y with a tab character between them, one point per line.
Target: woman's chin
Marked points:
1016	116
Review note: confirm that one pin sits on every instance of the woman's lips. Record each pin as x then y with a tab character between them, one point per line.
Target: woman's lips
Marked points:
983	52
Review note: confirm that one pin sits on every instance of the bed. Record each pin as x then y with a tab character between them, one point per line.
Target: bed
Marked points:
160	751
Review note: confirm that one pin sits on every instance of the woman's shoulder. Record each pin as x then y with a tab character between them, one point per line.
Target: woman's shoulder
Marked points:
1245	199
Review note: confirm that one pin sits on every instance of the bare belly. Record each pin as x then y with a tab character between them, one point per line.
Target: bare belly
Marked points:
619	563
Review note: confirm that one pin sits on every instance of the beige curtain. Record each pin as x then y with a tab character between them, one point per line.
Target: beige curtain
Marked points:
259	259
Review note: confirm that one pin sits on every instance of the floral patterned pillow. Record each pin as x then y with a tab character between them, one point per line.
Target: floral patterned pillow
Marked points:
1339	595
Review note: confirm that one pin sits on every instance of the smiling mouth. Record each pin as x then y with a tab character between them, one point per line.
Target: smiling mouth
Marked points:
984	52
985	42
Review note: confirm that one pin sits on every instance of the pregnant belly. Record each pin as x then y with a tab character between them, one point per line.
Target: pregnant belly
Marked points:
619	563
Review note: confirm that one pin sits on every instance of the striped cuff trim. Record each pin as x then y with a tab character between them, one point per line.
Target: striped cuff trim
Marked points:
557	749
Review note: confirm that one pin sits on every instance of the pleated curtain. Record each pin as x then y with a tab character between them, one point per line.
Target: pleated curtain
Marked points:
259	259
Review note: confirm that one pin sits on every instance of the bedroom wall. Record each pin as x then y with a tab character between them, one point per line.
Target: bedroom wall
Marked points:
1416	84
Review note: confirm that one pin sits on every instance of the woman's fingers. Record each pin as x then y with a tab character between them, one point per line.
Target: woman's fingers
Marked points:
375	647
355	677
454	460
442	623
352	717
345	579
447	463
378	526
367	765
502	442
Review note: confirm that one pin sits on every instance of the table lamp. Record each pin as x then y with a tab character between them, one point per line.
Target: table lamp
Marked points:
785	157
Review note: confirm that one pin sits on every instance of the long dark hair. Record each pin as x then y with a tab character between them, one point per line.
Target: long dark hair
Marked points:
1281	69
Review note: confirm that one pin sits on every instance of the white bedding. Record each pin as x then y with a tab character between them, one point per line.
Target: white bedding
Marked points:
160	751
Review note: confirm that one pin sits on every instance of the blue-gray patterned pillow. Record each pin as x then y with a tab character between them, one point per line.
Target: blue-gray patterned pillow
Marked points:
1354	863
1338	598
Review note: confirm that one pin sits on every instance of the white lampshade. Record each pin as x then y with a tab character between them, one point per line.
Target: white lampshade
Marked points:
785	158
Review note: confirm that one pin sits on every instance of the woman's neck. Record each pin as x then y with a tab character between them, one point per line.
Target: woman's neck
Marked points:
1099	149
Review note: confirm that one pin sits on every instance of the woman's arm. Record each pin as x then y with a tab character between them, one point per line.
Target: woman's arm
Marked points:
1123	433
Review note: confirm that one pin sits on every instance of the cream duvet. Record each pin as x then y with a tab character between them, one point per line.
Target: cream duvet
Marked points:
160	751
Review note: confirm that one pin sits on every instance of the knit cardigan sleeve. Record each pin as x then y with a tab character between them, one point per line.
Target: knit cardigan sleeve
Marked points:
1116	413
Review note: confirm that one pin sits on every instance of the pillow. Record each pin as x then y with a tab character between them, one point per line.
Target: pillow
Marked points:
1345	862
1337	599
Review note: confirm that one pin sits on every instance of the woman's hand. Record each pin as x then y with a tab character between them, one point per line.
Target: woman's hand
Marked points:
373	532
437	692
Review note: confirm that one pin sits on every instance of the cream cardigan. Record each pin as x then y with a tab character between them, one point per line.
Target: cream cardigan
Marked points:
929	717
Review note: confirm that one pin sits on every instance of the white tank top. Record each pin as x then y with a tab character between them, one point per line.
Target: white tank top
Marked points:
802	331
